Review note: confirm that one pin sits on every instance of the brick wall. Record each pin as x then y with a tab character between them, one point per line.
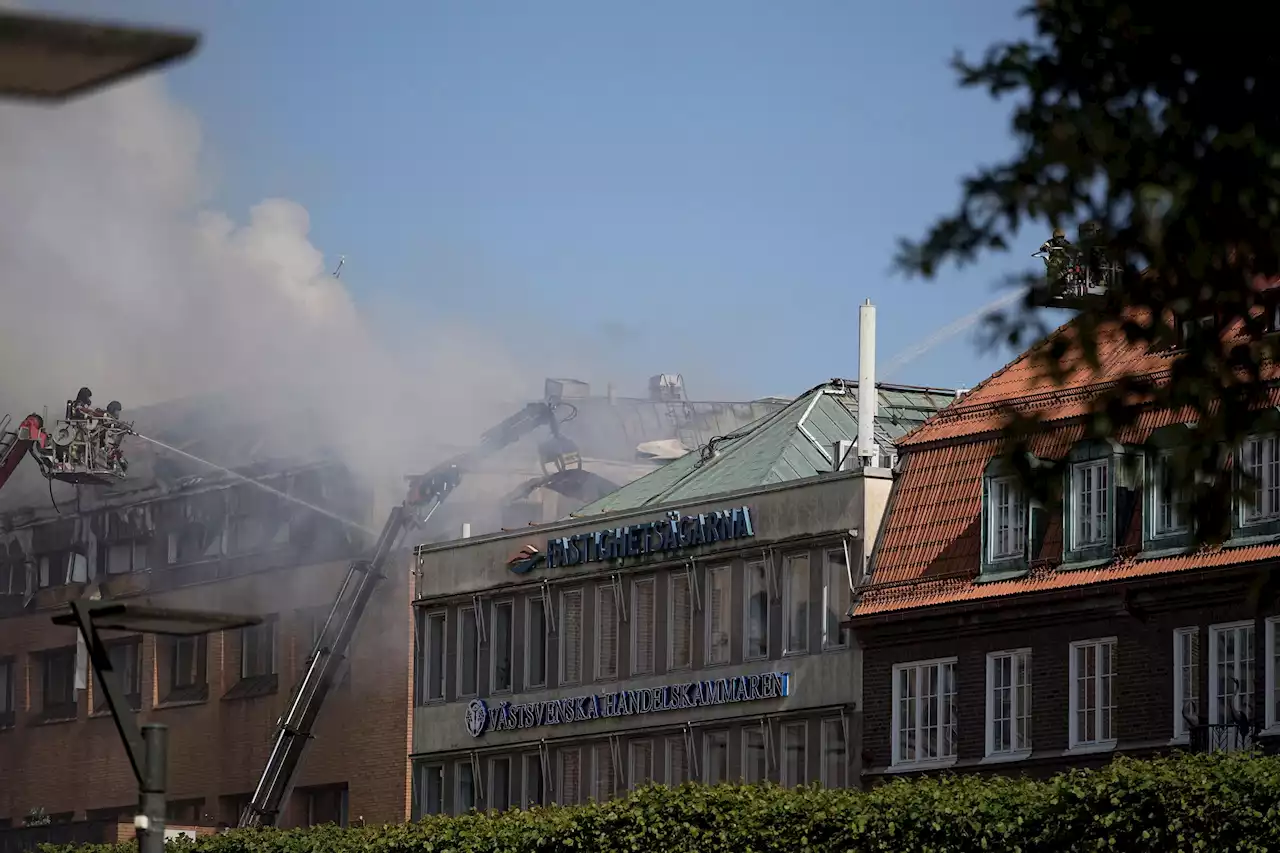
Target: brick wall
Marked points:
218	747
1143	683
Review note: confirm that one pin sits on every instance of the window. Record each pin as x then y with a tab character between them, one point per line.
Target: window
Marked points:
569	782
605	781
795	604
836	598
835	754
126	662
1009	702
644	630
534	793
327	805
606	631
1186	681
755	760
641	763
924	712
1006	519
8	692
61	567
502	650
718	599
187	662
58	683
1090	503
431	656
794	768
716	745
570	638
677	755
127	556
465	798
1169	507
430	789
1272	681
680	625
500	783
756	637
468	651
1092	701
258	649
535	643
1261	463
1231	666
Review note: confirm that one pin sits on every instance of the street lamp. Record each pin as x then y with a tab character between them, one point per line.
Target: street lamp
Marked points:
148	747
51	59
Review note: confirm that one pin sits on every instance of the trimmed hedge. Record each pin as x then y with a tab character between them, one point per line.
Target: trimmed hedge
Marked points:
1187	802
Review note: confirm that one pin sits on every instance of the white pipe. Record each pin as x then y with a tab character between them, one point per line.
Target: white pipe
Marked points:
466	530
867	450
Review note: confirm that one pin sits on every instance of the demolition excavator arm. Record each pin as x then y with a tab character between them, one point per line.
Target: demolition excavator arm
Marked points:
426	493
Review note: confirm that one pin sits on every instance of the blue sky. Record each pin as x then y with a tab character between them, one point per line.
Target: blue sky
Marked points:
713	186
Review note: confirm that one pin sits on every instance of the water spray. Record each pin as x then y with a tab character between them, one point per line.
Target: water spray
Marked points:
949	331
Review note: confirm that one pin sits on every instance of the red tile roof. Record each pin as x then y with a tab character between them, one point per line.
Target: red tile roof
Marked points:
928	551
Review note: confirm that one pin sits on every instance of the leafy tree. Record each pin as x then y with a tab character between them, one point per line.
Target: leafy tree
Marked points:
1159	124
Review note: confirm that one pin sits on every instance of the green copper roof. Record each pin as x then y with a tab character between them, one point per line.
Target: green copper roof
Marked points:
790	444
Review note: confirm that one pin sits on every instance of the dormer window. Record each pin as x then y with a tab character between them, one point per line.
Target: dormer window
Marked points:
1187	328
1090	504
1260	462
1169	510
1271	317
1006	519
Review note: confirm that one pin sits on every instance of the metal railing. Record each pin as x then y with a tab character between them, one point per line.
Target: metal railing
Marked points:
1224	737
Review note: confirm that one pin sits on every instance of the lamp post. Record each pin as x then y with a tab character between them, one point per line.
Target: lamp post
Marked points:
147	747
47	58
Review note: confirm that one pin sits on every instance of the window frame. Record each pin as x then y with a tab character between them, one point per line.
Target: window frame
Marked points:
825	724
1215	631
1074	742
461	610
606	598
1242	517
747	566
458	765
492	762
722	570
8	692
58	710
786	729
1023	505
842	633
678	739
1014	752
747	730
526	801
788	614
896	758
540	602
199	659
420	778
1179	682
1159	463
1107	520
561	753
1271	686
707	736
425	651
637	630
133	697
603	749
633	777
510	604
561	632
672	578
270	626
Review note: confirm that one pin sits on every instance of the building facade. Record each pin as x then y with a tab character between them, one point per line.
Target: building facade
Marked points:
1005	635
672	643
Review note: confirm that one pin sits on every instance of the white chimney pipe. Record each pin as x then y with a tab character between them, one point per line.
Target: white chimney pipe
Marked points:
867	398
466	530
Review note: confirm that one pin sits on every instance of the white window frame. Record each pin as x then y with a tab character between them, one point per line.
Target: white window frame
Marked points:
651	629
1251	670
919	666
561	754
844	579
461	668
672	578
824	726
563	651
493	646
668	765
1073	703
1272	687
706	755
746	609
527	798
1020	508
607	598
539	601
1179	682
493	760
458	783
1247	517
633	778
421	774
424	671
788	615
712	573
1104	520
786	736
748	729
602	750
1013	752
1175	502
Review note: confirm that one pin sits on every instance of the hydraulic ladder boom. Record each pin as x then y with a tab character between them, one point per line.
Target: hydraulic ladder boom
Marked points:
425	494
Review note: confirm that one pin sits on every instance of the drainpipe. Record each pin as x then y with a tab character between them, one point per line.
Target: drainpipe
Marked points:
868	453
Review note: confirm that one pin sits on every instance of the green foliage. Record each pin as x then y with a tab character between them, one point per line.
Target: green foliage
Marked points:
1159	125
1189	802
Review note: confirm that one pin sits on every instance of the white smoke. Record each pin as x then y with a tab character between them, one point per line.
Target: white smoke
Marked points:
115	276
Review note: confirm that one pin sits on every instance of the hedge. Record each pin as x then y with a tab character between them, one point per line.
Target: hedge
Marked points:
1188	802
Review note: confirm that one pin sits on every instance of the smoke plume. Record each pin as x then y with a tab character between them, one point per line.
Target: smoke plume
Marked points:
117	277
